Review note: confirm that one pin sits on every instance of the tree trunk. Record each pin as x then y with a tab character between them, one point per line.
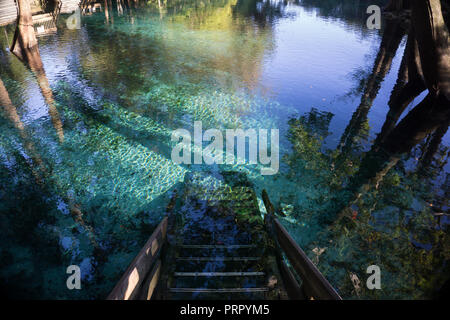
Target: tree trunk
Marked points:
410	84
26	48
106	11
391	40
433	146
25	45
434	45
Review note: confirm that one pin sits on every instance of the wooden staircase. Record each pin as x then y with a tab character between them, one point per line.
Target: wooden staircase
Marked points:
222	251
214	244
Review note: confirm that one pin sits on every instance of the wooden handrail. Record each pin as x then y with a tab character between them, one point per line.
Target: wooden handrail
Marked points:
129	286
314	283
293	289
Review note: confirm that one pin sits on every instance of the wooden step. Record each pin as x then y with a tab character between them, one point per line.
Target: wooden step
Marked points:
218	274
42	17
219	259
221	290
217	246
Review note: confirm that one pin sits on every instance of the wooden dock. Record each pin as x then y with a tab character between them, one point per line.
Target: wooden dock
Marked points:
69	6
44	24
9	10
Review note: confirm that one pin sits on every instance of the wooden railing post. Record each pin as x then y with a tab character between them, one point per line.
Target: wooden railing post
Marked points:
129	286
314	285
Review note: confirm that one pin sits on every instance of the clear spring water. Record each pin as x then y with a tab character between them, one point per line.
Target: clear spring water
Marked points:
120	86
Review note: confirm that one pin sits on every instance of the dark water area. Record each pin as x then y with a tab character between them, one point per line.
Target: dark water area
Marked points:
86	171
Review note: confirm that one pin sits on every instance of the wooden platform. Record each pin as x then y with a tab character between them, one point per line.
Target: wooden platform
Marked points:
69	6
8	12
44	24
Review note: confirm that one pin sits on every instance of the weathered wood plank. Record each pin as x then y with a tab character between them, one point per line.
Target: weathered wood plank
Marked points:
8	12
316	283
218	258
152	281
218	246
217	274
221	290
129	285
293	289
269	207
68	6
42	17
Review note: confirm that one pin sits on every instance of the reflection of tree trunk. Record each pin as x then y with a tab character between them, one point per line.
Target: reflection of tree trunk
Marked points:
408	94
433	145
112	11
48	95
428	63
119	7
434	45
78	217
24	44
11	113
428	53
26	48
106	11
425	118
392	37
397	5
421	121
131	11
160	9
38	169
394	5
411	84
10	110
428	56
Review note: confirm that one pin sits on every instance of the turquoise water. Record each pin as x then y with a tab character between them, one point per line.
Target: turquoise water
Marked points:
120	86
